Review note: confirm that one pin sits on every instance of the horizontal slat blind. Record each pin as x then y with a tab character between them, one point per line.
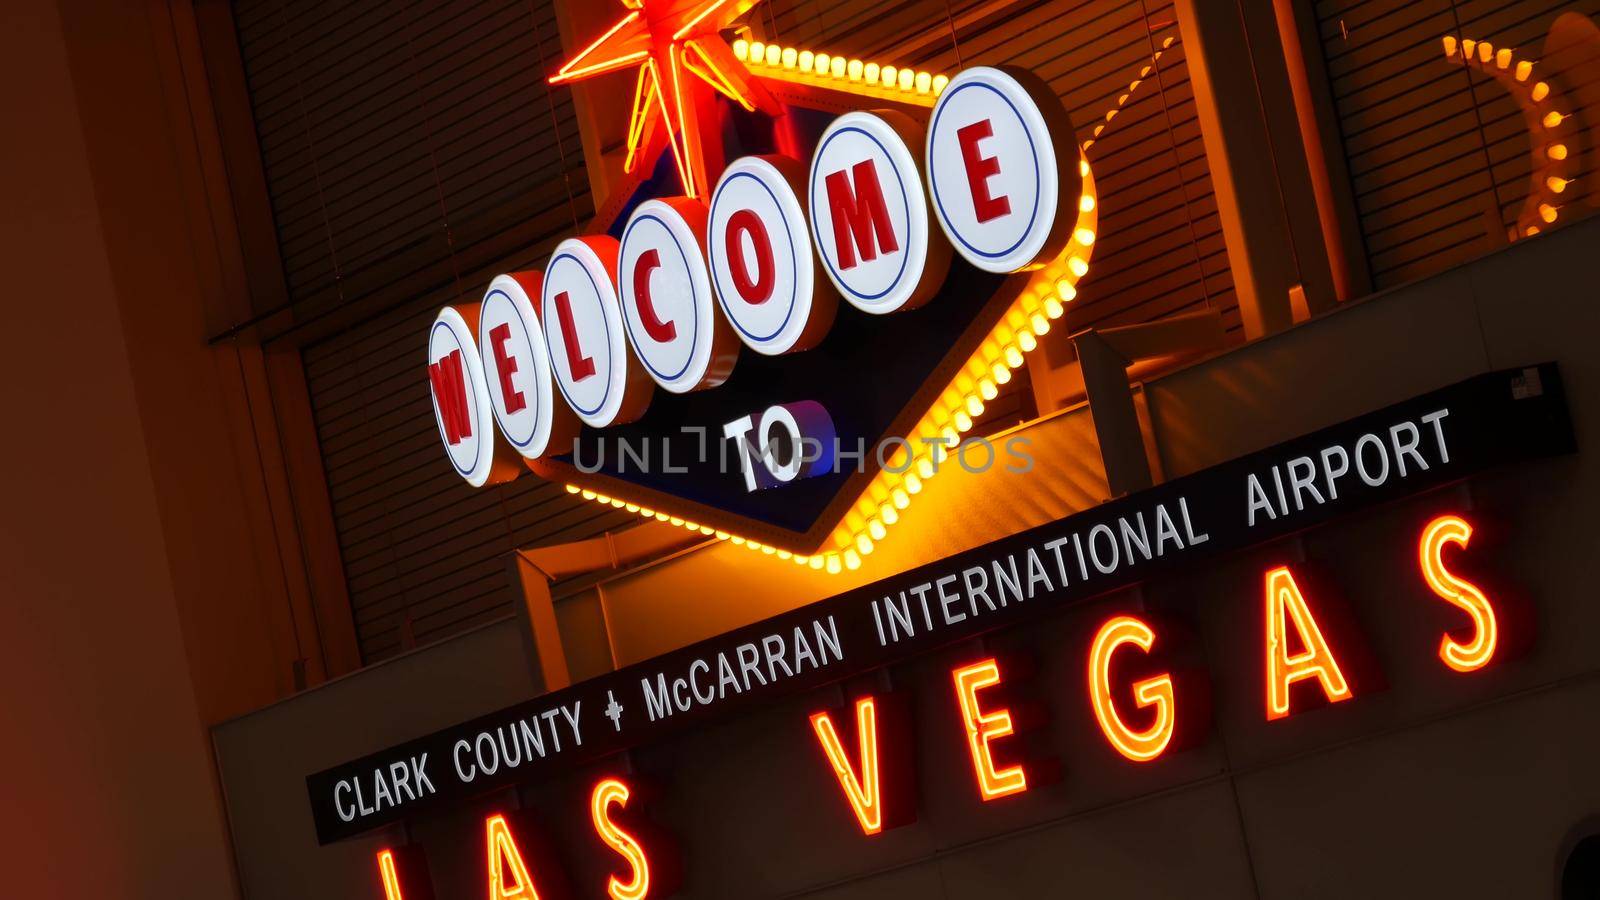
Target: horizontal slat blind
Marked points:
1160	251
409	150
1438	154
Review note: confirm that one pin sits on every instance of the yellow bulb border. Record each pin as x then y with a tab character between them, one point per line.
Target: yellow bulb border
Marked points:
1549	130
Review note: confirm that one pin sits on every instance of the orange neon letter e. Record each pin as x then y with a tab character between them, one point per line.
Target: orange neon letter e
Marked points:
983	727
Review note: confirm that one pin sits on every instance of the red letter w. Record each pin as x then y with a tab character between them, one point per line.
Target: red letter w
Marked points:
450	394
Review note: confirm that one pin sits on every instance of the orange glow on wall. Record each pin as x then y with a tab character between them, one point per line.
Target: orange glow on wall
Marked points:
390	878
864	792
1139	745
508	874
983	727
1476	653
1285	604
612	791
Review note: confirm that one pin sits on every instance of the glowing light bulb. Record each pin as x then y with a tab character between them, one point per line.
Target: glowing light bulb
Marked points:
1556	183
1485	51
870	72
1556	151
900	498
822	63
1066	291
1086	203
856	70
1524	69
913	484
816	562
807	59
1503	58
939	82
1547	212
836	68
852	561
741	49
1078	266
774	54
987	390
1083	236
833	564
789	57
1014	357
907	79
1039	324
974	406
924	82
758	52
572	489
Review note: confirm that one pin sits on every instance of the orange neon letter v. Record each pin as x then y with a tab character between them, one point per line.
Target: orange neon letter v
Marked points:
864	792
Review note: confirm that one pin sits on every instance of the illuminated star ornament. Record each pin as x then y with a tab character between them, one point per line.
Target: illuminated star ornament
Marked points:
682	59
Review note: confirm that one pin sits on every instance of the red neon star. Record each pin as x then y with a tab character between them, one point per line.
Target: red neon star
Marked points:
670	40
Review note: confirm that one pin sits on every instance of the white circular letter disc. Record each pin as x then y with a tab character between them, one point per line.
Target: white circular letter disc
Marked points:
665	288
760	257
869	214
516	363
583	332
993	171
460	397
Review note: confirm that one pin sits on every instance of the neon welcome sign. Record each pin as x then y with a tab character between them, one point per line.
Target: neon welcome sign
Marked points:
858	279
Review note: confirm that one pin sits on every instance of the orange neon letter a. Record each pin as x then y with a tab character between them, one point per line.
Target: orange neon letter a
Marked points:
1285	604
508	874
864	792
1142	745
1476	653
607	792
983	727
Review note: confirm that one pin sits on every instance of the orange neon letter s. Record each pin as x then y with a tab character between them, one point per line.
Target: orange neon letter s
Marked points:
864	792
607	792
983	727
1146	744
1476	653
508	874
1285	604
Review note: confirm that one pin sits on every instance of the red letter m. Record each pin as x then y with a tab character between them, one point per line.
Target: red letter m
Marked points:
450	394
858	215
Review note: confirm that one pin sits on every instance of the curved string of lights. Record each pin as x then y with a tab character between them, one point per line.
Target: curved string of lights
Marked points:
1550	131
939	431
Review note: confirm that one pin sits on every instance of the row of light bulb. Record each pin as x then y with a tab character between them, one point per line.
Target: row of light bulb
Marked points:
823	65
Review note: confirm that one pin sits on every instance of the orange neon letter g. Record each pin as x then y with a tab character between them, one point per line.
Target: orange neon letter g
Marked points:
607	792
1430	552
983	727
508	874
864	793
1143	745
1285	604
